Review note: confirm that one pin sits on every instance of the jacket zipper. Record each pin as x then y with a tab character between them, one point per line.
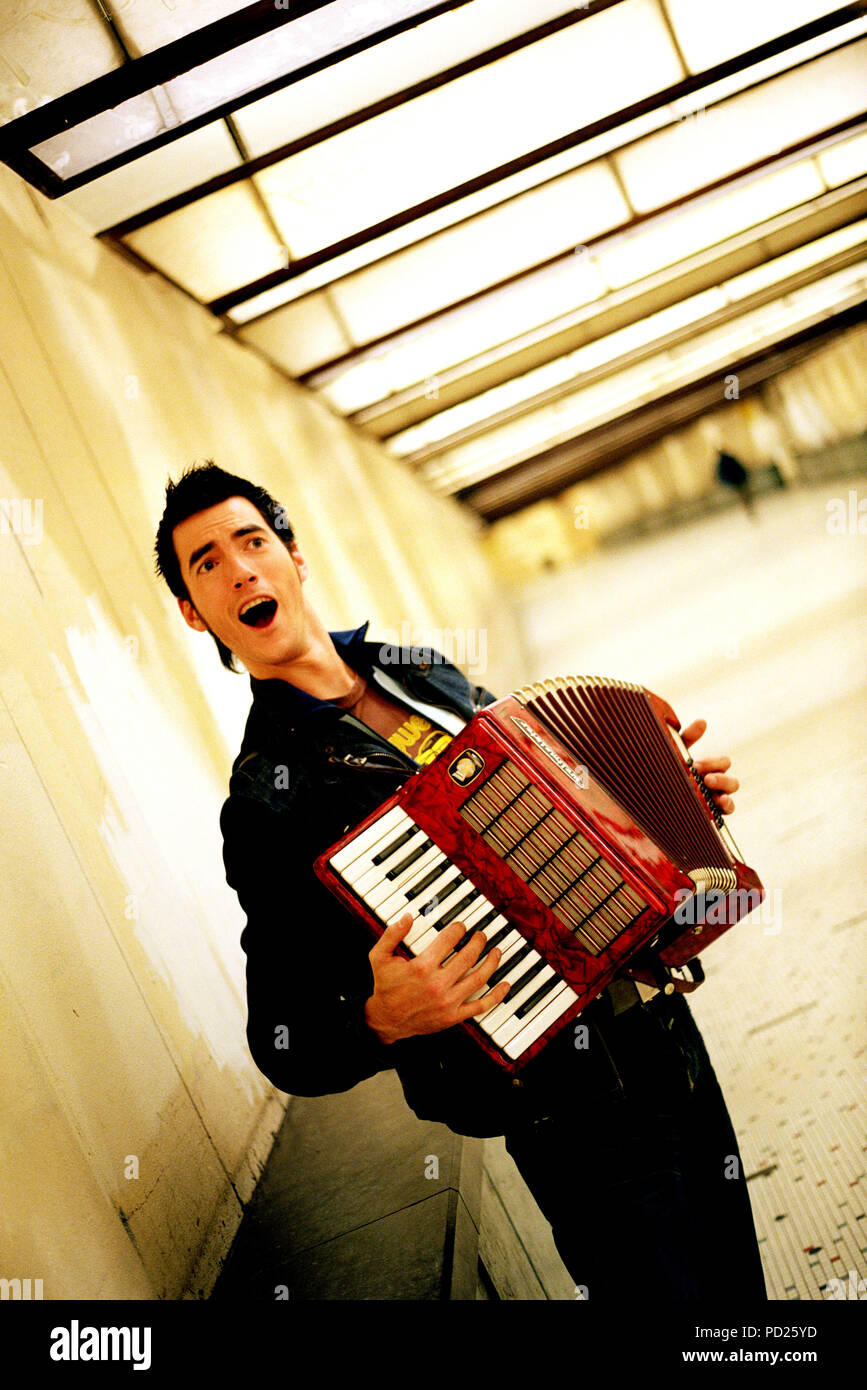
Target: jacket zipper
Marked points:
387	763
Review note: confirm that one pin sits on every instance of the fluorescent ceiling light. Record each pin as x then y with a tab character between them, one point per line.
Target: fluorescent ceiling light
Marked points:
468	464
213	243
706	40
619	344
622	136
746	129
407	59
344	184
675	235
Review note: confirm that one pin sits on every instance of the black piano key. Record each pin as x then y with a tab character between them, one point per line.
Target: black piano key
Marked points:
410	859
508	965
441	896
394	846
496	938
436	872
456	909
530	973
529	1004
487	919
464	941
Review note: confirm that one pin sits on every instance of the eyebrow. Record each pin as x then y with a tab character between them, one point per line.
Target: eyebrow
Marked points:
203	549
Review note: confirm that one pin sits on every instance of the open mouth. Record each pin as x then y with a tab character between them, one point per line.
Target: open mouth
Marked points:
259	613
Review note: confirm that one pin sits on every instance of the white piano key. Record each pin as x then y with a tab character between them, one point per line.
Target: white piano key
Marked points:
397	902
554	1008
468	916
505	1011
368	837
444	904
507	948
389	890
422	939
365	877
506	1029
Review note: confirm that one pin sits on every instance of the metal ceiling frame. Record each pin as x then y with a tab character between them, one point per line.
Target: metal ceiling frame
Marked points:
320	374
139	75
617	310
566	464
589	376
256	163
686	87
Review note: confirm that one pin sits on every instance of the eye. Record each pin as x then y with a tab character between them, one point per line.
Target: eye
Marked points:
202	569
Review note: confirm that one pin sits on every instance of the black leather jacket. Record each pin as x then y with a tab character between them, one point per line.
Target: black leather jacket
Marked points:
307	771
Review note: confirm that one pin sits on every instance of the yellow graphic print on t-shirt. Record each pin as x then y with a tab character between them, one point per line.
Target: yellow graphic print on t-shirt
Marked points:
420	739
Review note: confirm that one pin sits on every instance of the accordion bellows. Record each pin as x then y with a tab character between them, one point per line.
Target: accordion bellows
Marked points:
568	822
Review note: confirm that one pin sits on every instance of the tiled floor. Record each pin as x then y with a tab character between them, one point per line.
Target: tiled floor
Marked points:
759	625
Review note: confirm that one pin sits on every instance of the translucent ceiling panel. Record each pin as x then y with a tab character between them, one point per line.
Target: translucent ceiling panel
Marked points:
405	156
563	370
714	350
405	60
769	67
590	149
844	161
302	335
641	334
223	80
429	223
148	24
464	333
679	234
436	349
212	245
745	129
707	36
107	134
48	48
155	176
491	247
283	50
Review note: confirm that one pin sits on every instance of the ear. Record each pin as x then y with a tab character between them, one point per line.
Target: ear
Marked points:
300	563
190	616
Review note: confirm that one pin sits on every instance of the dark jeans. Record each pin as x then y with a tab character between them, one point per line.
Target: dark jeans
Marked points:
639	1173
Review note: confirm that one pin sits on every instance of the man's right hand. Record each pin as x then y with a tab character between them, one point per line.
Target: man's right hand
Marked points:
424	995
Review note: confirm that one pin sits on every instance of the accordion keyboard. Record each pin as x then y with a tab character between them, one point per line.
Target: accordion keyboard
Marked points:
393	867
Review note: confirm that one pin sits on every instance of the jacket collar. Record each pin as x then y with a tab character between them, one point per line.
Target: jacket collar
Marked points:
289	703
425	676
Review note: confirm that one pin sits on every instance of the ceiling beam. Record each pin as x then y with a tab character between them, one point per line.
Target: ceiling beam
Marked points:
600	449
375	417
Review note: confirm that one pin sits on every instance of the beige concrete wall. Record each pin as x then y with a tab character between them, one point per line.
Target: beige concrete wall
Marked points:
133	1121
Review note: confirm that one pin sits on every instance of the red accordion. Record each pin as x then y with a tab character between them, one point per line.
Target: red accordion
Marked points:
568	822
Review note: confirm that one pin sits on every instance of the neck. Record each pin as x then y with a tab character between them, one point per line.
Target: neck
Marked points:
318	669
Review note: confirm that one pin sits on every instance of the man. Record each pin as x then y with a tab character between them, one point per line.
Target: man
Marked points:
625	1143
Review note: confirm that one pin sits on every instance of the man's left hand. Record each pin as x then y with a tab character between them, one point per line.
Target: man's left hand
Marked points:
712	769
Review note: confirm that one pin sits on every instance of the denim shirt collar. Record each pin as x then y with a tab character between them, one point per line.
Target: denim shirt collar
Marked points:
294	704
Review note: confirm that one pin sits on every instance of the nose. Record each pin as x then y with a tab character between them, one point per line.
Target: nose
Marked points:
243	572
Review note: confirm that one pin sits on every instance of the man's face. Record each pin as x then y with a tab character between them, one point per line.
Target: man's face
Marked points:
229	556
